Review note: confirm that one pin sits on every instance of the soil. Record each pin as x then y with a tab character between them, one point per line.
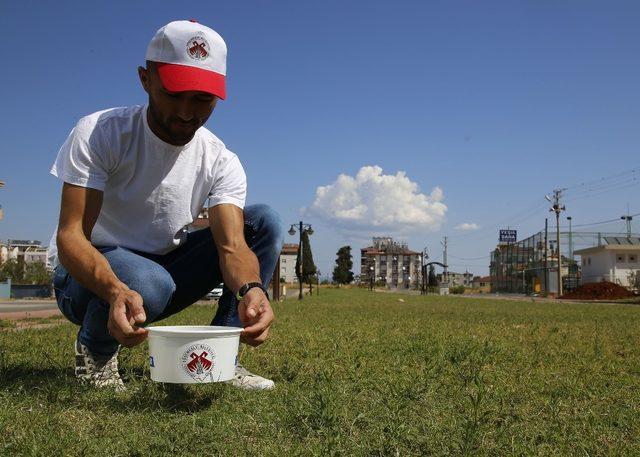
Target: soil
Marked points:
599	291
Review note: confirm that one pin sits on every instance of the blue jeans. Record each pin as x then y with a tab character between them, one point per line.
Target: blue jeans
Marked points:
171	282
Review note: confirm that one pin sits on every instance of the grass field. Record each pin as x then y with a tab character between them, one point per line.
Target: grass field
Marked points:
357	373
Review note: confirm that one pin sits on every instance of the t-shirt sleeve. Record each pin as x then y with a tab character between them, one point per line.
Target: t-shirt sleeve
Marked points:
82	159
230	183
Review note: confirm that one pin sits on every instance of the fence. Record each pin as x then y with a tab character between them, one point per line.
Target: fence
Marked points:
531	265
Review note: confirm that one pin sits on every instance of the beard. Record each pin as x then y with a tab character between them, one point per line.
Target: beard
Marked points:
172	129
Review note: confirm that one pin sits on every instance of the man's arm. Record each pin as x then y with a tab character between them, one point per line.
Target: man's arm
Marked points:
79	212
239	266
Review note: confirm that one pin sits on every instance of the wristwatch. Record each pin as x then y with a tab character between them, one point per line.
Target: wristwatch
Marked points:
250	285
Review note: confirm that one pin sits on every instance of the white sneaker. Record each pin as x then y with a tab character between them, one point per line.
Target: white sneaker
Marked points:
244	379
96	370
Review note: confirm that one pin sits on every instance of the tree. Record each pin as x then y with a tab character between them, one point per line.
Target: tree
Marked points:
14	269
432	281
309	268
342	273
37	273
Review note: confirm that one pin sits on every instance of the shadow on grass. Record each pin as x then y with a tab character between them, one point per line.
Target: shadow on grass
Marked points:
58	385
22	377
168	398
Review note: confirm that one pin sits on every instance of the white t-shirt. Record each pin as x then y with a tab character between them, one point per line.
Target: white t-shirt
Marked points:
151	190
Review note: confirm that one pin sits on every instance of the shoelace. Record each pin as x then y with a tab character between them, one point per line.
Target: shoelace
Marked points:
242	371
103	368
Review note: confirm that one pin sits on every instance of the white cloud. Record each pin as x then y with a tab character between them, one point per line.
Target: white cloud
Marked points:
379	203
467	227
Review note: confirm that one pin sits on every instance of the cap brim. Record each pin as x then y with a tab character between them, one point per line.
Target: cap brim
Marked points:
180	78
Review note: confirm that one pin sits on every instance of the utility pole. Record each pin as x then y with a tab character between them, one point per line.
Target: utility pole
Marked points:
628	218
1	211
546	266
445	274
557	208
569	218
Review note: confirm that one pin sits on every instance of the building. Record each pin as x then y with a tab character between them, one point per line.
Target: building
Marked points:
4	253
616	261
531	265
35	254
288	257
390	263
456	279
29	251
482	284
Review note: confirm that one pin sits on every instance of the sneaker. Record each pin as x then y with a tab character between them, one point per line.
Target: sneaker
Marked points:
244	379
97	370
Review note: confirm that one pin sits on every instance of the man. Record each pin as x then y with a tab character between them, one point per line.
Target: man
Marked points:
134	179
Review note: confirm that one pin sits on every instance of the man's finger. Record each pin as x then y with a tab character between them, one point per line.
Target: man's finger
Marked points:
255	340
135	308
252	306
140	335
263	323
120	322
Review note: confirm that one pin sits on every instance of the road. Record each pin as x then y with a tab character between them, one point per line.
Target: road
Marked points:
20	309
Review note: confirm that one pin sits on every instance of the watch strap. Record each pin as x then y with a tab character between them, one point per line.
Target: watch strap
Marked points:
250	285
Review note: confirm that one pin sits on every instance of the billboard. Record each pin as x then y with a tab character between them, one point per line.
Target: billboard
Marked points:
508	236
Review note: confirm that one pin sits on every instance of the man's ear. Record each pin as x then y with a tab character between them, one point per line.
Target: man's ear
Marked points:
143	74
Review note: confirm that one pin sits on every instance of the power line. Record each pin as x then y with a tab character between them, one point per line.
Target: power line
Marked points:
600	181
470	258
617	219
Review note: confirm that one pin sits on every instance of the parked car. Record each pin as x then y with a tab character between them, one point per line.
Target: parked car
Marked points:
215	293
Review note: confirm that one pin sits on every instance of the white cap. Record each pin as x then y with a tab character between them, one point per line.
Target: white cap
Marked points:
190	56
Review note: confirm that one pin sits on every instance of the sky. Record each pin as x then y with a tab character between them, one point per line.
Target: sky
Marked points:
412	119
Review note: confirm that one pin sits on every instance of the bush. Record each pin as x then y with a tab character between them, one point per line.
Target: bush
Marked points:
458	290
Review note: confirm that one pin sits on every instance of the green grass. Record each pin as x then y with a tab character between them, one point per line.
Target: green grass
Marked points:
357	373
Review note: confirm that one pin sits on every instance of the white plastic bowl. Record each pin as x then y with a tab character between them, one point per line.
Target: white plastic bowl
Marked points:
192	354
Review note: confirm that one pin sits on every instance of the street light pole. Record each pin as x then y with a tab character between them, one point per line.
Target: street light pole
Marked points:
423	272
292	231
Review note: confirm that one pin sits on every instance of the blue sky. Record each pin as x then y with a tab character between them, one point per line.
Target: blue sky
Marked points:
496	103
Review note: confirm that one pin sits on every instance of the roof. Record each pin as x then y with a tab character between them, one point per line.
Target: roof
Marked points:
609	247
289	249
622	240
482	279
374	251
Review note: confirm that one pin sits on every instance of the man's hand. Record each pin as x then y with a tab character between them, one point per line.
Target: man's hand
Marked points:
256	315
125	312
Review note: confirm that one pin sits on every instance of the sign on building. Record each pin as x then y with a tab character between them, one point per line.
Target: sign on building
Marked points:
508	236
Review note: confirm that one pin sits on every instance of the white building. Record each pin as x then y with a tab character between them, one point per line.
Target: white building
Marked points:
615	261
34	254
29	250
457	279
288	257
391	263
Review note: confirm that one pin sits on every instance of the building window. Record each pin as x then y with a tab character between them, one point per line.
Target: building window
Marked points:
383	258
633	258
589	261
620	258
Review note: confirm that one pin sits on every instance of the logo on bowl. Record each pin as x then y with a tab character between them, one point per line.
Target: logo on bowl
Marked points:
198	361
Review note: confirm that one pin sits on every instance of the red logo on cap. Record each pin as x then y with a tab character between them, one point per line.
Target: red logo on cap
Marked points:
198	48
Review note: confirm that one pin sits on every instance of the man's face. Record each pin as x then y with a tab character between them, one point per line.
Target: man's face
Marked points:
174	116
